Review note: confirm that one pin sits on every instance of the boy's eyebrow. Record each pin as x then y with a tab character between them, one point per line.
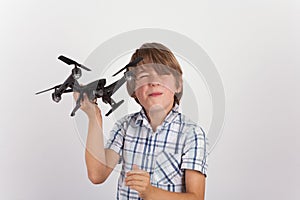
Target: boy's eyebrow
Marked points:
140	69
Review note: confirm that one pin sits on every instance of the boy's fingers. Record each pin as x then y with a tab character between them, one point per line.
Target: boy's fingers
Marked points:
136	188
75	95
135	177
135	167
137	170
86	98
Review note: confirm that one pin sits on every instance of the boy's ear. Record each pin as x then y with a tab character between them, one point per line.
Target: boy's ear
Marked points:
180	86
133	95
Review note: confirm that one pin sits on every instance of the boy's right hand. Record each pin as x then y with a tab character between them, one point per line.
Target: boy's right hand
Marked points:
87	106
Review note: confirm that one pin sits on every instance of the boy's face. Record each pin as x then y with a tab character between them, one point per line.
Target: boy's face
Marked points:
155	86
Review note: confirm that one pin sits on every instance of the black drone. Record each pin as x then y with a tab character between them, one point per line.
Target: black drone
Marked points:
93	90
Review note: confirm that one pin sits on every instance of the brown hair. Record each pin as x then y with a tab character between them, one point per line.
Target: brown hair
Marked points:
158	54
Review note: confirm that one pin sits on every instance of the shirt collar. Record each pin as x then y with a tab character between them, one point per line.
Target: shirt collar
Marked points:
143	120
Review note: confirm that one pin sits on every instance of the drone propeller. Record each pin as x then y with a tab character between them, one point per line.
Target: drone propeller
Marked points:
131	64
72	62
47	89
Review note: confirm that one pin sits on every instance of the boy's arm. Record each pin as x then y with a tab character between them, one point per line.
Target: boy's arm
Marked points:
195	187
99	161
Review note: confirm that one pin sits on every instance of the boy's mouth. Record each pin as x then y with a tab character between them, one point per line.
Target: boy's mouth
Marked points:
155	94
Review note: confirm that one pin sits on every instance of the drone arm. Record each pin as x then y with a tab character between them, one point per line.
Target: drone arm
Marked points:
68	91
111	89
118	84
48	89
68	82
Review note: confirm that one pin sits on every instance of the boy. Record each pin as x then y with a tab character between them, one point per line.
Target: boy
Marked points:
163	154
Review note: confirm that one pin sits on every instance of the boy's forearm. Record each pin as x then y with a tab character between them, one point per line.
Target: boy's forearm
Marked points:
95	154
158	194
94	142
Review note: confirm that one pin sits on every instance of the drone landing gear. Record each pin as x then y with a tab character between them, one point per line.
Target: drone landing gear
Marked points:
78	104
114	106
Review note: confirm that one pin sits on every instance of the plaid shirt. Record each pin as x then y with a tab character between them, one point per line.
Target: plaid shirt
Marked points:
177	144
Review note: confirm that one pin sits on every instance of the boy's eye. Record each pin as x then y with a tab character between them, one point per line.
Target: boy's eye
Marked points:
144	76
141	76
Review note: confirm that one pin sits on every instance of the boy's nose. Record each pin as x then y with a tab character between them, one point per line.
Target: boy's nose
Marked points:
154	83
154	80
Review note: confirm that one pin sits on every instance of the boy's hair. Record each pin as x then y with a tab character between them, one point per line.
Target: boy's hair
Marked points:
157	53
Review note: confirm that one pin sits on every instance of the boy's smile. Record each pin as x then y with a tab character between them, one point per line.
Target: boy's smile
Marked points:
155	94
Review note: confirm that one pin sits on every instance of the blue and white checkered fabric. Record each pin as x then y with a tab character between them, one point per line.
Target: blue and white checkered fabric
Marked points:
176	145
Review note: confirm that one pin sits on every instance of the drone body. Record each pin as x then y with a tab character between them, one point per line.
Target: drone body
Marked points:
93	90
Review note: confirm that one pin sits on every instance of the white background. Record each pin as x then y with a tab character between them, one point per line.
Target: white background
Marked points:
254	45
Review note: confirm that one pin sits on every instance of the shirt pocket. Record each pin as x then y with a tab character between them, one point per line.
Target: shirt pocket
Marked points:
167	169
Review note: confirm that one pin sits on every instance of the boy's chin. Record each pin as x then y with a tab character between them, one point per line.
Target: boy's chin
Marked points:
156	108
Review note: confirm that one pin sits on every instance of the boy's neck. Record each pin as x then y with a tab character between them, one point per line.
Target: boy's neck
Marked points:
156	115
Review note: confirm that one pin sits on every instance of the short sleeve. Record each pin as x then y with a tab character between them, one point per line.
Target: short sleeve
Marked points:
195	151
116	137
